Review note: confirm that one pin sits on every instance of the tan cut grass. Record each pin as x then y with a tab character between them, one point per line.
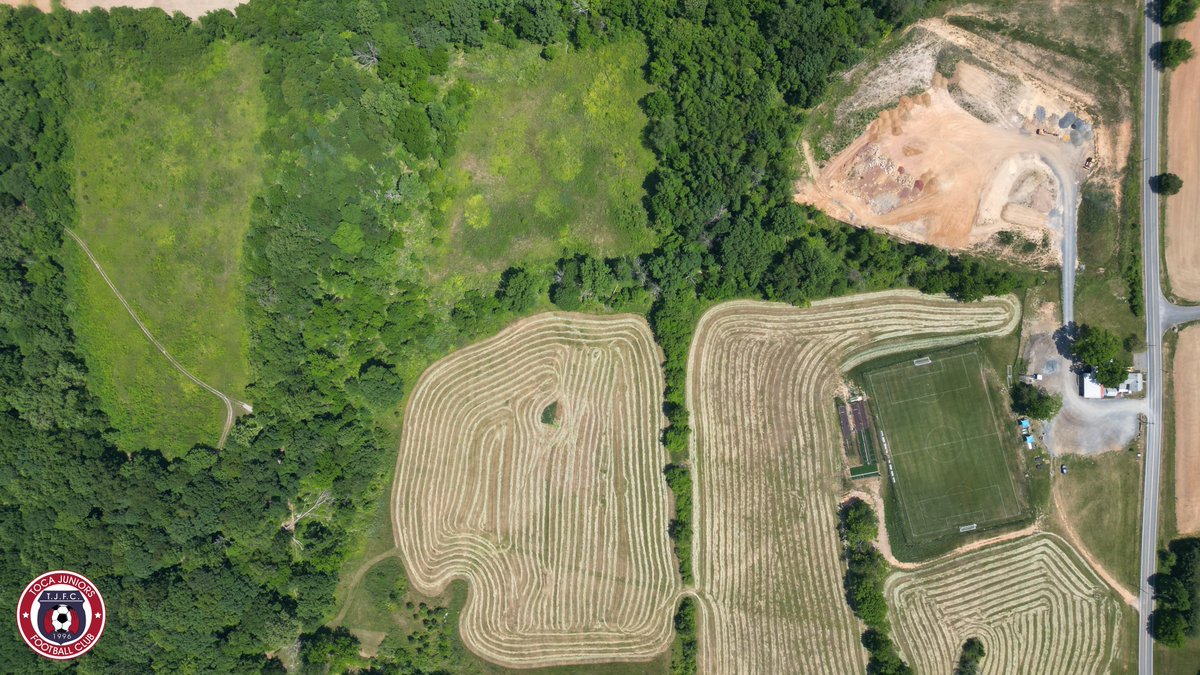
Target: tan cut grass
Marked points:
1187	432
768	473
559	529
1183	209
1033	603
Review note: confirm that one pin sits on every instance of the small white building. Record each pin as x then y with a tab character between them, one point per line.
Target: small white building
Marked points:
1090	388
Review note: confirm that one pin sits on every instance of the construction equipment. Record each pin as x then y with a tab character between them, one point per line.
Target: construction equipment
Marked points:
1046	132
1089	162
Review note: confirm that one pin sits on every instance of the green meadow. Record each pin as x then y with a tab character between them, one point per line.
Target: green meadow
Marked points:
551	159
166	165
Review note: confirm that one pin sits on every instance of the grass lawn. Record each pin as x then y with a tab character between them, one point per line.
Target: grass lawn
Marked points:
166	166
954	460
551	158
1111	527
1100	287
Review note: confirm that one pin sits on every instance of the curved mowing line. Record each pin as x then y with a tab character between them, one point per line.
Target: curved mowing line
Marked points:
559	529
767	467
1034	604
227	400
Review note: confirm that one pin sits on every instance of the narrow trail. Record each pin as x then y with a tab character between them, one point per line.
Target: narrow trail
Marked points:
357	579
227	400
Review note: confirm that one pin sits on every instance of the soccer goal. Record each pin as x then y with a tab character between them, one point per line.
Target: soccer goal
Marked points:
923	361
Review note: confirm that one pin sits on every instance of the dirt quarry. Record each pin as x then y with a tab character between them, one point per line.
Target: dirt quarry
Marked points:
193	8
955	139
928	170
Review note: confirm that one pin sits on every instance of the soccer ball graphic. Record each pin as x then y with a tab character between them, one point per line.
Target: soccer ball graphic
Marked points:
60	618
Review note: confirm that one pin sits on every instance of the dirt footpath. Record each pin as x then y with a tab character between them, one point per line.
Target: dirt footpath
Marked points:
192	8
1187	432
1183	152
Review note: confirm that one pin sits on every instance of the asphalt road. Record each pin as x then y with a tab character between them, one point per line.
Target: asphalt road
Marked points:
1070	207
1155	304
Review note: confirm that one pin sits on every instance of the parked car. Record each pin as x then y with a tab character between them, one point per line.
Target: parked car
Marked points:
1063	469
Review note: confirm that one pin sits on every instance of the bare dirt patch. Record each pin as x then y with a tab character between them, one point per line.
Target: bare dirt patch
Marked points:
558	523
769	470
1187	432
1183	152
930	171
192	8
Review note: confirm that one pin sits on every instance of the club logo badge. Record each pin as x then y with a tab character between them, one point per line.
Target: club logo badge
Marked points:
61	615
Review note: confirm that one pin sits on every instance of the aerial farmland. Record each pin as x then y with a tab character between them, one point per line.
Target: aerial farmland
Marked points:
598	337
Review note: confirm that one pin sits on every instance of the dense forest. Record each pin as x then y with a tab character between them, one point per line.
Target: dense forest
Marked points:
202	557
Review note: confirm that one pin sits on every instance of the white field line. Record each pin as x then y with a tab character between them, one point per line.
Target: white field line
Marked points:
560	530
767	470
227	400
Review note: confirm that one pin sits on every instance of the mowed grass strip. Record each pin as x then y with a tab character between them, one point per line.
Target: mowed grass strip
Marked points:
954	461
551	158
166	166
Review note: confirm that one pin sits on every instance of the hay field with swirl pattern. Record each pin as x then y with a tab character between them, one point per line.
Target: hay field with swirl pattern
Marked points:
530	466
767	466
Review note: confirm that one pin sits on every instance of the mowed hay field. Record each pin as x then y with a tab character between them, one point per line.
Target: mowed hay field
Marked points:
166	165
1183	126
530	465
768	471
955	463
551	157
1187	431
1033	603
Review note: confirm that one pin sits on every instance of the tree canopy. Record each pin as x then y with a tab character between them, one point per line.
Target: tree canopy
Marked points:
1173	53
1105	353
1167	184
1032	401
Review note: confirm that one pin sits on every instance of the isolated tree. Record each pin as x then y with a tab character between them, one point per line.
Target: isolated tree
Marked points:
1167	184
1174	53
1032	402
972	653
1103	351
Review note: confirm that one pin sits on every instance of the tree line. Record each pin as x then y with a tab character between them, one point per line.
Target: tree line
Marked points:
866	572
1176	616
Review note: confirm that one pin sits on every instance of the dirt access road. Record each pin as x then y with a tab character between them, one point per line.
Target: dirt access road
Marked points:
1183	152
192	8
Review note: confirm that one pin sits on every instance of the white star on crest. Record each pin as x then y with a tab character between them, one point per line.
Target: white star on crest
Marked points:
26	615
97	615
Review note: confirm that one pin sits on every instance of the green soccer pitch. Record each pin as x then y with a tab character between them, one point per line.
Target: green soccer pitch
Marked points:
954	458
